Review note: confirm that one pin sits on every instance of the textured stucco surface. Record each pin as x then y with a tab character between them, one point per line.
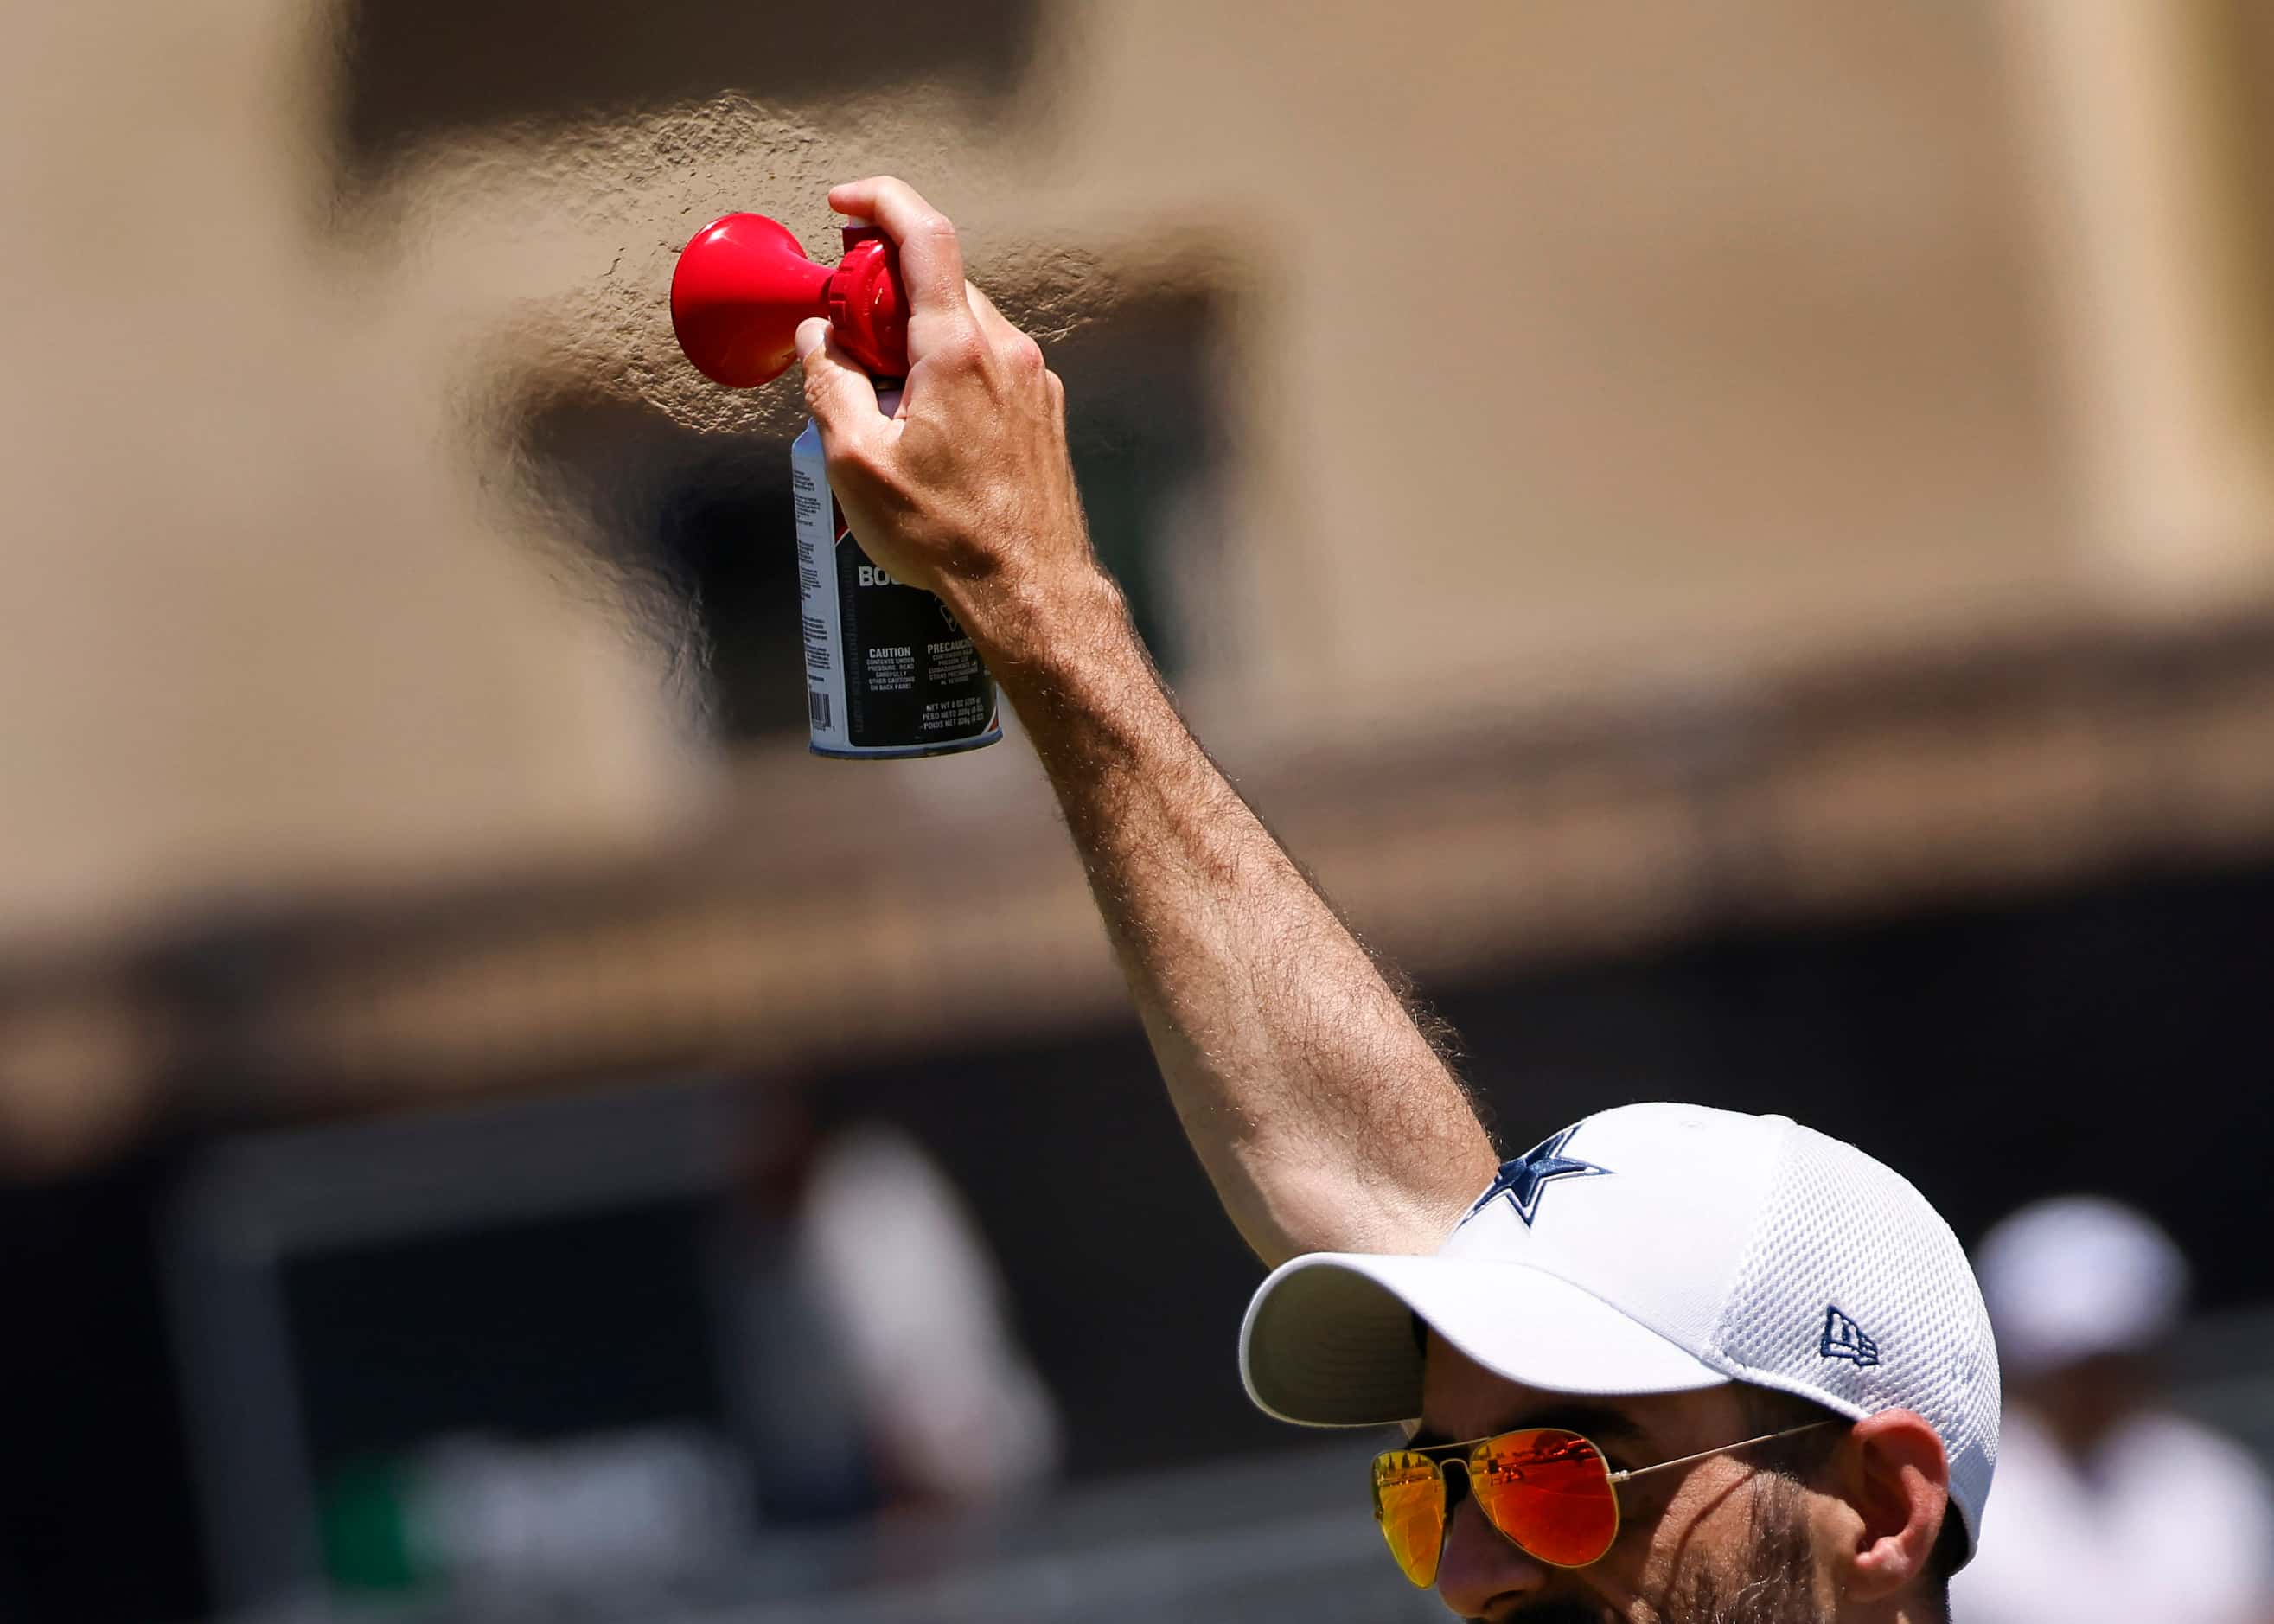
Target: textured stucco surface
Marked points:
555	250
1576	355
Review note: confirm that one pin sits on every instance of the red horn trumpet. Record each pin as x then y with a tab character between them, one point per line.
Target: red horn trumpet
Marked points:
743	284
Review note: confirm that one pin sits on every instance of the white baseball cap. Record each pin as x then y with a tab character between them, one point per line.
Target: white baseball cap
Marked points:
2076	1276
1658	1248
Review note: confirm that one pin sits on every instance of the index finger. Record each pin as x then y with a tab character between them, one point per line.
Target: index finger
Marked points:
931	260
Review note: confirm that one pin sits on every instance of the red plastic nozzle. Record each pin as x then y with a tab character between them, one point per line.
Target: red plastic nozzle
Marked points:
743	284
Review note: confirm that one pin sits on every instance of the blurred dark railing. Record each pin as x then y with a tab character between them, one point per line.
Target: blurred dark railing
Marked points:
1286	1536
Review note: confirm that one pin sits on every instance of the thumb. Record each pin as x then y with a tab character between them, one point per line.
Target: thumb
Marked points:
838	393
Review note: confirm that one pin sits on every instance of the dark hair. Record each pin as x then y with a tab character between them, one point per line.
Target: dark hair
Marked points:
1802	1458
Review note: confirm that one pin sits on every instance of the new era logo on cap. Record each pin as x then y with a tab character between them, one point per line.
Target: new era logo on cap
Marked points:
1844	1339
1658	1248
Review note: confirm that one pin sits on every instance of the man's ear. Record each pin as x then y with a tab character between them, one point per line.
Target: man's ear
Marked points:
1897	1484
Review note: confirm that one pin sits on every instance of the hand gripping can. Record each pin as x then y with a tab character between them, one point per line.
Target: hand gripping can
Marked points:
889	672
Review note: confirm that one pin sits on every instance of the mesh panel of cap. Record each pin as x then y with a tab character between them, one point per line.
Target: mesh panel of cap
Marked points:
1841	1232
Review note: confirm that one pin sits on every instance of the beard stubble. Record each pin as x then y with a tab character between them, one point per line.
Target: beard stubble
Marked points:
1772	1583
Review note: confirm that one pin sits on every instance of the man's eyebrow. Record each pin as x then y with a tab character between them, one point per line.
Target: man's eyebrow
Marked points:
1598	1421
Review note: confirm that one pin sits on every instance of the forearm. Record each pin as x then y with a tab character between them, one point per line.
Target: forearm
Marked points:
1316	1104
1319	1108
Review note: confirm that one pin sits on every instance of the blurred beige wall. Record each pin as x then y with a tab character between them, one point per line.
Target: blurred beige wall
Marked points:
255	630
1578	352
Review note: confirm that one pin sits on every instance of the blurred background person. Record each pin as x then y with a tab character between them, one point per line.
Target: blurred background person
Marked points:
875	1364
2110	1505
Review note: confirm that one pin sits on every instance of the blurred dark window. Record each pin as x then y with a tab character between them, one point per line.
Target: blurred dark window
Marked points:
419	71
584	1321
695	530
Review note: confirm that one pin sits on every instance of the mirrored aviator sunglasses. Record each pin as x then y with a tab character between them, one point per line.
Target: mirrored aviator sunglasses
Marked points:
1550	1491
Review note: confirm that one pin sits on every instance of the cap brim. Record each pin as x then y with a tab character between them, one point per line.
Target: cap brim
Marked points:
1330	1339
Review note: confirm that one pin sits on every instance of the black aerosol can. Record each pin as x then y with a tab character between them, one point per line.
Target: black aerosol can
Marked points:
888	672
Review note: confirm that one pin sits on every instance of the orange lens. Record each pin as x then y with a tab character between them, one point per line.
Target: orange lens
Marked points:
1409	1502
1549	1491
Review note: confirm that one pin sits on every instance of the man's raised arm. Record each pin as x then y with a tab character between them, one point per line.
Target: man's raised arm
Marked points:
1321	1113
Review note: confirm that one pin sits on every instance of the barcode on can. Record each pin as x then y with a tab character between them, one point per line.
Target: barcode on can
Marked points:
817	709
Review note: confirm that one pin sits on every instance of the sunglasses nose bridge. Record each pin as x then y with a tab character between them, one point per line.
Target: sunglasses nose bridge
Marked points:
1458	1484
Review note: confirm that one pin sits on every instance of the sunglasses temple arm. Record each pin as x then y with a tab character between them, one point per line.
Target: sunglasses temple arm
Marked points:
1684	1460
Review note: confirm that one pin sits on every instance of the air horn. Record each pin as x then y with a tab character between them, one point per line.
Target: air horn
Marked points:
743	284
888	671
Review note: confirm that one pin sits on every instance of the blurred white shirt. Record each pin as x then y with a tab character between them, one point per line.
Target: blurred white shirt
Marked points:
921	1324
2173	1525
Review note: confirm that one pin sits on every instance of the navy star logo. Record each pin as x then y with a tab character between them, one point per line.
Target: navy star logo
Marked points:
1522	1178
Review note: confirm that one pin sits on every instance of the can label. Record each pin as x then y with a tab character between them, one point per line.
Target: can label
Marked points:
888	671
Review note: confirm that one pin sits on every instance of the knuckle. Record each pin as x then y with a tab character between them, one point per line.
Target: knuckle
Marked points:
857	457
935	224
1026	355
962	349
